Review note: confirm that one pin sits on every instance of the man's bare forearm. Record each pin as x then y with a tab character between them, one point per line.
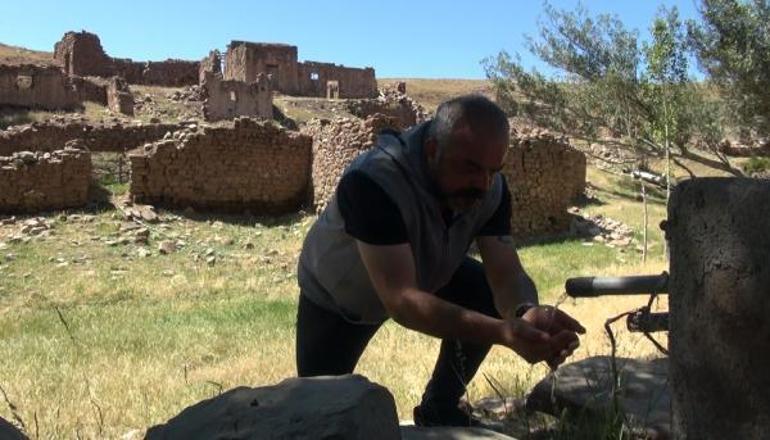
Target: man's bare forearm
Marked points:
423	312
511	284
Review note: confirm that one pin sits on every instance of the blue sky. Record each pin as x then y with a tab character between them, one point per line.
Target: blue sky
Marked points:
431	39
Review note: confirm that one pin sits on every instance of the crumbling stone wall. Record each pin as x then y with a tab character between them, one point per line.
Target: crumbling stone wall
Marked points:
545	175
211	64
226	99
119	97
247	165
81	54
33	182
52	136
335	144
245	60
37	87
393	103
314	76
91	89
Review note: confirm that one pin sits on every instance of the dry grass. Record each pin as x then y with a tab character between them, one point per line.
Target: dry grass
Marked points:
20	55
150	336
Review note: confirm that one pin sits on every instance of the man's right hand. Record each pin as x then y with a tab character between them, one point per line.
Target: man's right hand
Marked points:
535	345
527	341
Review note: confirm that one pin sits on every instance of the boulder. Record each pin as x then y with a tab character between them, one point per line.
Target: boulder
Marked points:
9	432
585	387
338	407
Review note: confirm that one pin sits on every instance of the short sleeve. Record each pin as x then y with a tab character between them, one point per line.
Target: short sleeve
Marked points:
370	215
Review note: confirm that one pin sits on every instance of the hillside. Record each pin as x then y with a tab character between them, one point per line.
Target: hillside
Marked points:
20	55
431	92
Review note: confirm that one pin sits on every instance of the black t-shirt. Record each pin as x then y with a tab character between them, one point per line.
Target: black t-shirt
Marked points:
373	217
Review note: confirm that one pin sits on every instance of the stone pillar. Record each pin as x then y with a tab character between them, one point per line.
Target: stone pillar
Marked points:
719	294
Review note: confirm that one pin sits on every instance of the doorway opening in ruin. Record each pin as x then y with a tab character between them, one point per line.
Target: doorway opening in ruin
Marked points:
314	76
332	90
233	96
272	72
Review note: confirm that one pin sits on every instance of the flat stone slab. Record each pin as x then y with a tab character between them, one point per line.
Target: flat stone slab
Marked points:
644	393
447	433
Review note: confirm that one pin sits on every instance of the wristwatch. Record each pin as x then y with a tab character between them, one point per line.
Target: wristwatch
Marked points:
522	308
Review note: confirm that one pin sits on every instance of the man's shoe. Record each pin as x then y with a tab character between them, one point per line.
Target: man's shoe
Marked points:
432	415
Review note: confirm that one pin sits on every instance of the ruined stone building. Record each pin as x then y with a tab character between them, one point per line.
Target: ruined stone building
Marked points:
245	60
81	54
230	98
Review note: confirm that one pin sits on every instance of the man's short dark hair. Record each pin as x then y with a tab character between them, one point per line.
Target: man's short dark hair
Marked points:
478	112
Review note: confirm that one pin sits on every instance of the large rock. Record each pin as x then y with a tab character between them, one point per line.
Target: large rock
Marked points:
340	408
586	387
720	304
9	432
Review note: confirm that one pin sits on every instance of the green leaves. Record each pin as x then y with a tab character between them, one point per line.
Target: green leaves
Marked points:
732	44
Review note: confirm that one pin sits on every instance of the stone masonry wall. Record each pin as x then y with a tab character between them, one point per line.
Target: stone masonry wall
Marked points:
335	144
545	175
37	87
248	165
226	99
119	97
353	82
106	138
81	54
245	60
33	182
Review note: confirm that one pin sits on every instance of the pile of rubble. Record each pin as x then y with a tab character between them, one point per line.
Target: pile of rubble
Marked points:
393	102
187	94
601	229
28	229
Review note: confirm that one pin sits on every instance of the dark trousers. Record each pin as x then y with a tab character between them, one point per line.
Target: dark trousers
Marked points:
329	345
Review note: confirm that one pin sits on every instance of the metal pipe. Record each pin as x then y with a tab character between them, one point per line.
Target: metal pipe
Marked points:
586	287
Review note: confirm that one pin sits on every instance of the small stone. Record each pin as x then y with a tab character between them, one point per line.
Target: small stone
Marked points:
142	236
10	257
167	247
212	260
143	253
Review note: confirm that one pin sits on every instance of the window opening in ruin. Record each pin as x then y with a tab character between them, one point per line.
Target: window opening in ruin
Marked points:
24	82
314	76
233	96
